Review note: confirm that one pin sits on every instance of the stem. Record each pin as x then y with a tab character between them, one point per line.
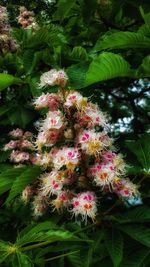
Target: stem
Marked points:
37	245
87	227
145	176
62	90
63	255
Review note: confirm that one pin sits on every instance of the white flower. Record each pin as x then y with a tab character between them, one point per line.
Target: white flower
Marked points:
75	99
91	116
54	120
66	156
85	205
53	77
52	183
90	142
103	174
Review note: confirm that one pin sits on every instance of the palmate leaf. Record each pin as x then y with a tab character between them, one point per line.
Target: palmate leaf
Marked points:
4	250
122	40
7	79
107	66
33	232
137	232
136	259
141	149
114	245
25	178
44	232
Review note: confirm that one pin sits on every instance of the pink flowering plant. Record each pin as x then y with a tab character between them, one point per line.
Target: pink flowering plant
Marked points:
77	157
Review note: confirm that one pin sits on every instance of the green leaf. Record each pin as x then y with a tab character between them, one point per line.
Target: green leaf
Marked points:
114	245
75	259
27	177
4	155
79	53
119	15
51	36
31	59
137	232
4	109
107	66
144	30
21	116
7	178
77	75
6	80
122	40
146	17
140	148
32	231
44	232
138	214
22	260
4	253
63	9
28	57
19	34
136	259
33	83
144	68
4	246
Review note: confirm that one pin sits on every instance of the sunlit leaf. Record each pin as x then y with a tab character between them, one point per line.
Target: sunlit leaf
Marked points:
6	80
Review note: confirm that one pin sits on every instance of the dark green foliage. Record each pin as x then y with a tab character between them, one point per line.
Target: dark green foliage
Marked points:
104	47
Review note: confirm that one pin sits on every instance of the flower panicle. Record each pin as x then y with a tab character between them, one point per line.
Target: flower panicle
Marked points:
78	161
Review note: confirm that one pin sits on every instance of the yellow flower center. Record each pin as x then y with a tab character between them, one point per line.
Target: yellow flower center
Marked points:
94	146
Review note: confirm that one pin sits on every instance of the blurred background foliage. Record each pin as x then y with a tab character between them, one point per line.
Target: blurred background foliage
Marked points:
104	47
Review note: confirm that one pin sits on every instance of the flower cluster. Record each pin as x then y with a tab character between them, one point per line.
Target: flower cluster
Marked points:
76	155
20	146
7	43
27	19
53	77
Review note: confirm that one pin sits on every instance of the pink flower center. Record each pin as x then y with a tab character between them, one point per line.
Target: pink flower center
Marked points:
71	155
88	197
98	119
76	203
85	137
72	97
53	121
